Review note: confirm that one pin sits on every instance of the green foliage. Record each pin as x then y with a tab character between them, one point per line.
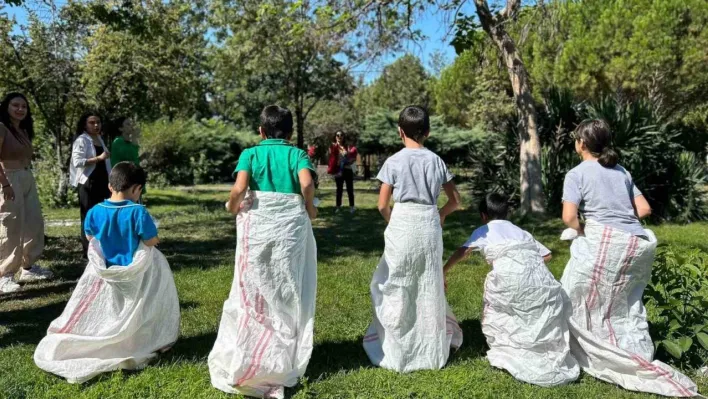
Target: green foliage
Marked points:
677	298
402	83
192	152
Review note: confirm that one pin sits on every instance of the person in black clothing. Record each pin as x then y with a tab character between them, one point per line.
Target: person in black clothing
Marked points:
90	167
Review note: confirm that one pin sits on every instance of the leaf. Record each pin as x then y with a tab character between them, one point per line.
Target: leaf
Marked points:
685	343
703	339
673	348
674	325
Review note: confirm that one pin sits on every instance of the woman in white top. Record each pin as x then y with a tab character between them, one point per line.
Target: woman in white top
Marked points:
90	167
609	267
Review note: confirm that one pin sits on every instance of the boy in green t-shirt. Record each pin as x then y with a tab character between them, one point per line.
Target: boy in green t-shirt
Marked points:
274	165
266	330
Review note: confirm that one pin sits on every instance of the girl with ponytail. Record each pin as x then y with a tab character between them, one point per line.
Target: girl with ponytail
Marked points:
599	187
609	267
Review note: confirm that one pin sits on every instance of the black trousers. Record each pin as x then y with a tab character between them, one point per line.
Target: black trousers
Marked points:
90	193
346	177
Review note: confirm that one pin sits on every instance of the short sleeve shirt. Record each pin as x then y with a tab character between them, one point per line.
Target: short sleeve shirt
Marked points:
604	195
416	175
122	150
274	165
119	227
499	232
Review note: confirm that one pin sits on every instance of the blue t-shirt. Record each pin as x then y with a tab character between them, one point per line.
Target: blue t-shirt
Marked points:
119	227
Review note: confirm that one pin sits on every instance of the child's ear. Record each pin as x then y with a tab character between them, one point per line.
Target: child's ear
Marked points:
400	133
262	133
427	134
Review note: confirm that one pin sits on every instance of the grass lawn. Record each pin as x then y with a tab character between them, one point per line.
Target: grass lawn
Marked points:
198	238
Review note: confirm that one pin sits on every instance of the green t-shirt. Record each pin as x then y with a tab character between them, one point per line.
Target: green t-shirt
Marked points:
122	150
273	166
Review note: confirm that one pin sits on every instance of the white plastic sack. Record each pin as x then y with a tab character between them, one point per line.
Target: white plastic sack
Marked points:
265	336
525	317
605	279
413	327
117	318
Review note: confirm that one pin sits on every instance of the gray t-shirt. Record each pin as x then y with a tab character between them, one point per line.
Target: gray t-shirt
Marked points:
604	195
416	175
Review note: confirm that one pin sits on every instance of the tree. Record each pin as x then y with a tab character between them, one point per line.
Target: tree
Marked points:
530	151
278	50
404	82
143	59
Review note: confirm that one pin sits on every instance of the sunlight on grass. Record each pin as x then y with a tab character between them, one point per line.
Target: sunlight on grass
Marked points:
199	241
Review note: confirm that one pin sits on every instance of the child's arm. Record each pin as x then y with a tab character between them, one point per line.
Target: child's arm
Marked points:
641	207
570	217
547	258
152	242
453	201
456	257
307	186
385	200
238	192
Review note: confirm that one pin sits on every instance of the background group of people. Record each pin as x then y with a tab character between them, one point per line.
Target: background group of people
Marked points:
22	233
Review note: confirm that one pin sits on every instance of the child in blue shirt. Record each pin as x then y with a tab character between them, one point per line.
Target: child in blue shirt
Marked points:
119	223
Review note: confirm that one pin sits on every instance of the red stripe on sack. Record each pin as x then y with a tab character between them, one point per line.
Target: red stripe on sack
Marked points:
623	280
244	259
83	306
259	356
662	373
246	375
371	335
599	265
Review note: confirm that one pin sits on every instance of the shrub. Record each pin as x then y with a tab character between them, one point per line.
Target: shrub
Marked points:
192	152
677	298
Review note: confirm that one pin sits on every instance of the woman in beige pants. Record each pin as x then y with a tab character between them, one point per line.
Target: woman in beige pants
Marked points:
21	222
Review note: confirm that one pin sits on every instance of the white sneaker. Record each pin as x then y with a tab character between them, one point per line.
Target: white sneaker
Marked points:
8	285
35	273
336	210
352	209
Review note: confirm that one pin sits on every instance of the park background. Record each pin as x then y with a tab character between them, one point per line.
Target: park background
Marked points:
195	75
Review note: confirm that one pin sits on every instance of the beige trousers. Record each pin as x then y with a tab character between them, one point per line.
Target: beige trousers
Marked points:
21	224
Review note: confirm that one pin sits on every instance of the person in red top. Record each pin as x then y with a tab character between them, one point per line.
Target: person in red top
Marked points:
341	158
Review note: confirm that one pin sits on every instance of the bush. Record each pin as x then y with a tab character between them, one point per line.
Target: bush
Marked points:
186	152
677	298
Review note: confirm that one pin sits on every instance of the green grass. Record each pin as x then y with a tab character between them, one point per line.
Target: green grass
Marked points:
199	241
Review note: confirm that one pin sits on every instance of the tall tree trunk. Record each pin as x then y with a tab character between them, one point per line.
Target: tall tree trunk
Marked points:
530	146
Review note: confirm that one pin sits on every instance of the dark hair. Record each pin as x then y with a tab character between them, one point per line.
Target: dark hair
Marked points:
415	123
597	137
114	128
26	124
125	175
277	122
81	125
495	206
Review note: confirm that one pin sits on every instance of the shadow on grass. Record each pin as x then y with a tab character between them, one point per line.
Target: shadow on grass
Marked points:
28	326
198	254
474	344
195	349
332	357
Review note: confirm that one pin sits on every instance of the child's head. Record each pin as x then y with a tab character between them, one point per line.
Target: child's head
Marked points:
276	123
128	179
494	207
414	123
595	137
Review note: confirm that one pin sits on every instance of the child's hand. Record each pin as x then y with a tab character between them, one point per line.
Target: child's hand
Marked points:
311	212
442	220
